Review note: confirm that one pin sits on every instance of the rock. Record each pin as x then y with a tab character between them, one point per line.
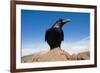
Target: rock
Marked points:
83	56
56	54
73	57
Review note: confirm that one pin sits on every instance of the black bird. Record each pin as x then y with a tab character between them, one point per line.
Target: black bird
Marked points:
54	35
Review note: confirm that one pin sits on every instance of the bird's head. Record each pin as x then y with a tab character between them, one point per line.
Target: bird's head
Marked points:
61	22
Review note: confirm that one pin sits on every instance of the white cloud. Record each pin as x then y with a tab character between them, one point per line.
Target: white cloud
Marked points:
38	48
78	46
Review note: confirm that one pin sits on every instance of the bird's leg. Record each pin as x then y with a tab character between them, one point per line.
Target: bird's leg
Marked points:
59	46
51	47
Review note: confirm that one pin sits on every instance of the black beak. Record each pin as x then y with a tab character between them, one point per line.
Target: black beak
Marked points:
66	21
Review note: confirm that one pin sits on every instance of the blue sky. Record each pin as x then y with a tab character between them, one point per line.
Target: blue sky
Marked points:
34	23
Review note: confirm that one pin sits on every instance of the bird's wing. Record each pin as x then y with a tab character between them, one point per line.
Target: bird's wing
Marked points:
62	35
46	34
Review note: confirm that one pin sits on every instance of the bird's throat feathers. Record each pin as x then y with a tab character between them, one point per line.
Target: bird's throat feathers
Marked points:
56	26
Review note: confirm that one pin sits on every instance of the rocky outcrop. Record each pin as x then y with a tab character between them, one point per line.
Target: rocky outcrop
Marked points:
56	55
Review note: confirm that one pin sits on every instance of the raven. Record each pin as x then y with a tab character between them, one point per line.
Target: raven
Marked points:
54	35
